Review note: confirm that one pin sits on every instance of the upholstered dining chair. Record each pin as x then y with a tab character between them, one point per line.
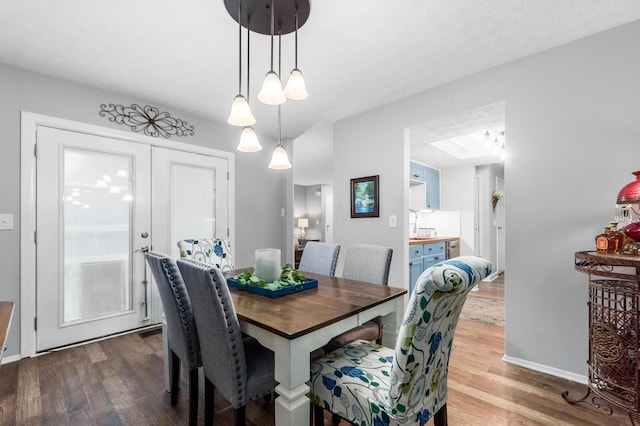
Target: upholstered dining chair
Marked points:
319	258
369	384
215	252
184	345
370	263
239	367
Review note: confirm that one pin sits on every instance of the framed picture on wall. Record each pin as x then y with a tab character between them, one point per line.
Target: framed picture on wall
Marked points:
365	198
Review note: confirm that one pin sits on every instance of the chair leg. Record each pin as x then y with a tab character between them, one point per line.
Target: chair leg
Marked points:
335	419
440	418
239	418
193	397
318	415
209	396
174	379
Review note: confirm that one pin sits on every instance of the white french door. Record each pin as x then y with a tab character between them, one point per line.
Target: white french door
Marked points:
190	198
100	200
92	210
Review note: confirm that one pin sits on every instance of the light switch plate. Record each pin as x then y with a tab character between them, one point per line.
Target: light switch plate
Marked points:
6	221
393	221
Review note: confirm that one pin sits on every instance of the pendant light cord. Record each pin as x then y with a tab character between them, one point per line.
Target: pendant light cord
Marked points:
248	56
240	47
296	61
271	35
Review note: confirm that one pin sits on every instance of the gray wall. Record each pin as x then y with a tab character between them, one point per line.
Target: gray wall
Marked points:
573	126
260	192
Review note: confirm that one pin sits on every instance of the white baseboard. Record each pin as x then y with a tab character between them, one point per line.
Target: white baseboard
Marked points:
552	371
8	359
492	277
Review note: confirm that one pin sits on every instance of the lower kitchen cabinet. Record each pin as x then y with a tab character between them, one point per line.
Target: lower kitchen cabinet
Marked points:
421	257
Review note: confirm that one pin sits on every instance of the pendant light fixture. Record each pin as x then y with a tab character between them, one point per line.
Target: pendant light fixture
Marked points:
268	17
296	89
271	91
240	114
279	158
248	137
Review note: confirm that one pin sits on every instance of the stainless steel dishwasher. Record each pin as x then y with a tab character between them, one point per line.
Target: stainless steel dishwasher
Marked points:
452	248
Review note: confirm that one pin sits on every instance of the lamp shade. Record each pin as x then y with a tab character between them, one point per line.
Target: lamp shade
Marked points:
630	193
271	91
240	112
296	89
303	222
280	159
249	140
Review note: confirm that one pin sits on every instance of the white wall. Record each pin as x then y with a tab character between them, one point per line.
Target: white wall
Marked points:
260	191
572	115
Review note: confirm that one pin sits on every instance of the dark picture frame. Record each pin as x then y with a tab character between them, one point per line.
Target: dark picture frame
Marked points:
365	197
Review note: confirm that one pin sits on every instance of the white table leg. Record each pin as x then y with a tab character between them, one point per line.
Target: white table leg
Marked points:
292	368
392	323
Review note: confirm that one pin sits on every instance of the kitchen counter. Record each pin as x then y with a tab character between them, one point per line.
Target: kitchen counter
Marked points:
421	240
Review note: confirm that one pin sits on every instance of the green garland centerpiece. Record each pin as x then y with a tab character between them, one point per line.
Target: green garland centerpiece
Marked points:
288	277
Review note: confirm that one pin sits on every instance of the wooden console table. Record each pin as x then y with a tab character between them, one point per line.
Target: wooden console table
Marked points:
614	330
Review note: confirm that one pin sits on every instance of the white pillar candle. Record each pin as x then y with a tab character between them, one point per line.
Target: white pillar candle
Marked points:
267	266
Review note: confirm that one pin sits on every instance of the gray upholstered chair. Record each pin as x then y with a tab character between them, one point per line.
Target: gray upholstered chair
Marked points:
369	263
181	327
370	384
319	258
239	367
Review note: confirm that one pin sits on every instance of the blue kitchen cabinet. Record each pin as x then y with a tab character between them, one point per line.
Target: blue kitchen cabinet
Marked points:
417	171
421	257
433	188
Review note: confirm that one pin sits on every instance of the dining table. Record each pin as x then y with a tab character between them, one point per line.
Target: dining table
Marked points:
294	325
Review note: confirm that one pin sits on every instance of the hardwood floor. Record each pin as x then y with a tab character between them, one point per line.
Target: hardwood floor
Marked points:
120	381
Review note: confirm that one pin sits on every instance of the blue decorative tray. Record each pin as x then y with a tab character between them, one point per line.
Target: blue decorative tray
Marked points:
283	291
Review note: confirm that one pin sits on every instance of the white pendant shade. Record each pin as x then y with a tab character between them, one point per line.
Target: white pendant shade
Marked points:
296	89
271	91
280	159
240	112
249	140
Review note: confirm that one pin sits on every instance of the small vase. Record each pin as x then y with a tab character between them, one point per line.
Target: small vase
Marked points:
632	231
494	201
267	265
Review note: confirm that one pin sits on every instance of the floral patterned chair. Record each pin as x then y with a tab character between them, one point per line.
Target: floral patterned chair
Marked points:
215	252
369	384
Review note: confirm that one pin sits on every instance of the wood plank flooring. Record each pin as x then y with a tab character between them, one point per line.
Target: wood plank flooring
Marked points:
119	381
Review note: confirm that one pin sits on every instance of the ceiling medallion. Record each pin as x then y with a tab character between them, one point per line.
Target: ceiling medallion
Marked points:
148	120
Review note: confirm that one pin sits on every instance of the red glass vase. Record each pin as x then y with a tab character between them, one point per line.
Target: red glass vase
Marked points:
632	231
630	193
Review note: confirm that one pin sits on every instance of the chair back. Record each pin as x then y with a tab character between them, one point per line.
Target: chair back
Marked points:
369	263
214	252
223	356
425	340
319	258
178	312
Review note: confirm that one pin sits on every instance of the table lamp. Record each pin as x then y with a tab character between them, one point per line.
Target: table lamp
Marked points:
303	222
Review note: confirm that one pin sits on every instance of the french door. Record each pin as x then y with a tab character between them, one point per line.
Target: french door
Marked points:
100	201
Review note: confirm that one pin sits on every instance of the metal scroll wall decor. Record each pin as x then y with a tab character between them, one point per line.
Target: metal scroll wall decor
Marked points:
147	119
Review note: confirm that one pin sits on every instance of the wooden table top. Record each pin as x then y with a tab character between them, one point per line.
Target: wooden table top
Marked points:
6	308
300	313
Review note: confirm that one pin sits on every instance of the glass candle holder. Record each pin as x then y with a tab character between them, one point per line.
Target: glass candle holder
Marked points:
267	266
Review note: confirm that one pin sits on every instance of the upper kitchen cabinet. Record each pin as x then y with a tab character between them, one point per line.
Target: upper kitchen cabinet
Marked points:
433	188
425	187
417	172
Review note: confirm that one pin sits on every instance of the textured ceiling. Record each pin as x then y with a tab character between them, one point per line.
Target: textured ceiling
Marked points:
355	55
